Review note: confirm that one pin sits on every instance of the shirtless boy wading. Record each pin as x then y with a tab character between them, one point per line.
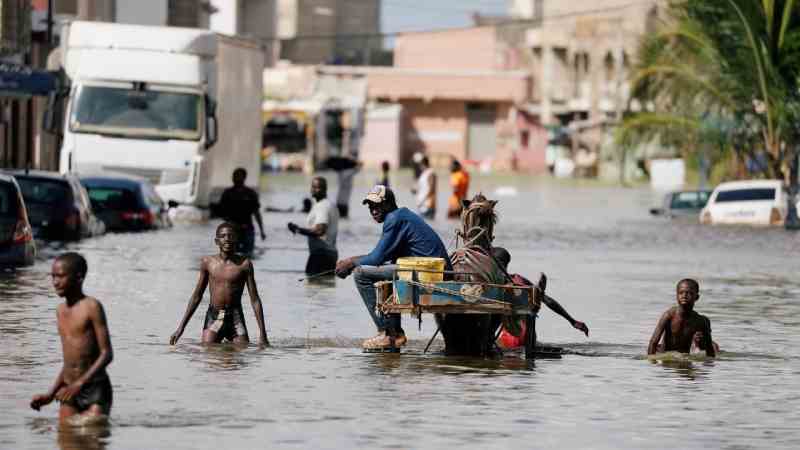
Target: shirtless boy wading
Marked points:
681	325
82	386
227	273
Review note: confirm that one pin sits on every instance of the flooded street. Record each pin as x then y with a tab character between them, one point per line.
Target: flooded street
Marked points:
609	263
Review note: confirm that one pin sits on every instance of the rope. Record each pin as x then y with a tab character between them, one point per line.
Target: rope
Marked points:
477	299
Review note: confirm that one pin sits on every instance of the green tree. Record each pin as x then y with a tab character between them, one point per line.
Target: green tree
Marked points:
722	76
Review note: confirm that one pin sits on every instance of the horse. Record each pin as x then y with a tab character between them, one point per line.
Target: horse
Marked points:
473	334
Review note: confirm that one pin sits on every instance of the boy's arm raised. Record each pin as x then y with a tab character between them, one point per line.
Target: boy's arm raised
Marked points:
194	301
652	348
255	302
106	354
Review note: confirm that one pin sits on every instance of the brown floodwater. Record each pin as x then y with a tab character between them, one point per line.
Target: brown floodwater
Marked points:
609	263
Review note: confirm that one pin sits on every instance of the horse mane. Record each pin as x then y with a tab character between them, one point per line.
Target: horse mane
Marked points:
478	218
478	213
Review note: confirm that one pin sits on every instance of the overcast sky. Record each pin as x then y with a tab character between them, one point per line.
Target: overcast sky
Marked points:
416	15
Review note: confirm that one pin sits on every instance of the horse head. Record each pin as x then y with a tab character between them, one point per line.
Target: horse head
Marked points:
478	219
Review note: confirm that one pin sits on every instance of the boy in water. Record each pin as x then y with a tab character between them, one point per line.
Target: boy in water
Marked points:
681	324
82	386
227	273
506	339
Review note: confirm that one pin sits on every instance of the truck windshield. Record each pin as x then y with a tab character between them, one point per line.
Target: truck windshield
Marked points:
135	113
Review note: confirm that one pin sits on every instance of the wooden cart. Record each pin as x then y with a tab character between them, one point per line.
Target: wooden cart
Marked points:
405	294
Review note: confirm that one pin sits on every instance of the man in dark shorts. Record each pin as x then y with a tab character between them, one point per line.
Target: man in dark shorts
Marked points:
82	386
681	325
238	205
227	273
404	234
323	226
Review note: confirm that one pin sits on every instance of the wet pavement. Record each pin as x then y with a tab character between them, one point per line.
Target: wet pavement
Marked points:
609	263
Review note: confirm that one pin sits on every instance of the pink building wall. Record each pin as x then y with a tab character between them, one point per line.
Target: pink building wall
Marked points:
461	49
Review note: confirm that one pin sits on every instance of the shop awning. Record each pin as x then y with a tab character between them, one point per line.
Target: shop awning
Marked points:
17	80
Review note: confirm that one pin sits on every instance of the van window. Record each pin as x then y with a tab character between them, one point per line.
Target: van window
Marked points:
40	190
689	200
8	200
115	199
746	195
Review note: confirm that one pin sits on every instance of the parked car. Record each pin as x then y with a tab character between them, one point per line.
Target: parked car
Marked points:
126	202
17	247
753	202
58	206
682	203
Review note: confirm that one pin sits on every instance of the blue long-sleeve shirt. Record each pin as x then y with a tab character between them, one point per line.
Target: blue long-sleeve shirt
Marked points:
405	234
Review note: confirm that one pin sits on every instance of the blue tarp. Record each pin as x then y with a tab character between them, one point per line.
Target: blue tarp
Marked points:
20	80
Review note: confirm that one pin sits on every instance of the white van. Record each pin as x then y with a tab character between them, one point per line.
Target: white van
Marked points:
752	202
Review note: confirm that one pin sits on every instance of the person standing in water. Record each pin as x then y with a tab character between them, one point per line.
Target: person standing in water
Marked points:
680	325
227	273
323	226
459	181
238	205
384	179
82	386
426	190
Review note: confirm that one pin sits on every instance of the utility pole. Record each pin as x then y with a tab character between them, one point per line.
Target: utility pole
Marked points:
49	24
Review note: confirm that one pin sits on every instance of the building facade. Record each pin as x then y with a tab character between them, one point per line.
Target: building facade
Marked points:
582	54
343	32
461	92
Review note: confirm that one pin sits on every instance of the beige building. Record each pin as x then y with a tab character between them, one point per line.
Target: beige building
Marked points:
461	91
329	31
582	54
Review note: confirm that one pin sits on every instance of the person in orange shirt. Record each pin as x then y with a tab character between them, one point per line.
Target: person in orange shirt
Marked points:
459	180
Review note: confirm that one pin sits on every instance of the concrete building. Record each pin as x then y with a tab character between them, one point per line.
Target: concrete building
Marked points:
582	53
329	31
460	92
257	19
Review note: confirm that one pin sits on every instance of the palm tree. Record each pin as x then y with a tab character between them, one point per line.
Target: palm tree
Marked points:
725	72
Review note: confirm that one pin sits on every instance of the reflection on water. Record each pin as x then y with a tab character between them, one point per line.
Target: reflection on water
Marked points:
608	262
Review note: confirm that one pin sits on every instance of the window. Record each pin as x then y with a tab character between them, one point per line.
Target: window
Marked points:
8	199
113	198
42	191
746	195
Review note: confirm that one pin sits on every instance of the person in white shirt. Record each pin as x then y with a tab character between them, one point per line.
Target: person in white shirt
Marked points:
322	228
426	190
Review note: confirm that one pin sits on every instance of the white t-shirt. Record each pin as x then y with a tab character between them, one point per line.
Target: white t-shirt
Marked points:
425	190
323	212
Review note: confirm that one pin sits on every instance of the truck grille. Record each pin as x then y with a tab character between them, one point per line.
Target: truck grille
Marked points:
154	176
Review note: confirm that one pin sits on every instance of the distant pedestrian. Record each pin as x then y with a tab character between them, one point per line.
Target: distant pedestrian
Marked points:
227	273
416	160
459	180
426	190
323	226
384	179
82	385
238	205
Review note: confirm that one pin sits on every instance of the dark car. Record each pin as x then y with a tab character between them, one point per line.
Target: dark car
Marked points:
17	247
58	206
126	203
682	203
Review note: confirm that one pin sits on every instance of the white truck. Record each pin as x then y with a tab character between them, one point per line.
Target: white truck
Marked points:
144	100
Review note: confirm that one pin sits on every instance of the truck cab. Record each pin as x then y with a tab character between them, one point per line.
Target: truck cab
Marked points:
141	101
